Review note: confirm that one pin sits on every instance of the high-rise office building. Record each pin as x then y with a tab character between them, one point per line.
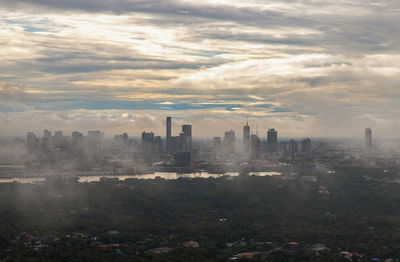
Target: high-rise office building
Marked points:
148	141
187	138
368	138
246	136
272	136
94	138
125	137
46	141
77	142
158	143
32	143
217	142
306	147
293	148
229	141
217	146
272	140
283	147
168	135
176	143
46	134
182	159
76	136
255	147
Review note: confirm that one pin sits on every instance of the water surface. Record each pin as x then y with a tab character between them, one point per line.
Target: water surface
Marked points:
165	175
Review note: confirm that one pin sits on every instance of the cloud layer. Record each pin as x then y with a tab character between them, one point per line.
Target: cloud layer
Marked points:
306	67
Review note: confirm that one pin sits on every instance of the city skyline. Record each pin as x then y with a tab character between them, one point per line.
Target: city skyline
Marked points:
308	68
183	142
243	135
185	128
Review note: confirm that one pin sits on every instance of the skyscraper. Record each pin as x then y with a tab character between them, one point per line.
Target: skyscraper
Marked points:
77	141
272	140
306	147
272	136
32	142
148	141
187	138
176	143
125	137
158	143
46	141
255	147
217	142
246	136
46	134
168	138
293	148
229	141
76	137
368	138
94	138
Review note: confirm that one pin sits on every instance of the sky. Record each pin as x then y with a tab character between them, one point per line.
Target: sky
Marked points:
317	68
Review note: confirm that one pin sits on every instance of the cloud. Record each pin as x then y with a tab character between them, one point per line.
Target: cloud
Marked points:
306	67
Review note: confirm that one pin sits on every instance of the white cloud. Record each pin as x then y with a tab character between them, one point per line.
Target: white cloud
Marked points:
317	67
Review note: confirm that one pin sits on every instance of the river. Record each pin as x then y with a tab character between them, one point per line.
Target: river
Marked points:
165	175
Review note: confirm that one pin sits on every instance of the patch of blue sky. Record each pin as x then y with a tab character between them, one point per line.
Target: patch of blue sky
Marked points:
34	29
6	109
280	110
206	53
263	105
127	105
10	21
43	22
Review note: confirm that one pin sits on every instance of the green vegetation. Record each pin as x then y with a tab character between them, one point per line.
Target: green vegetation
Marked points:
356	210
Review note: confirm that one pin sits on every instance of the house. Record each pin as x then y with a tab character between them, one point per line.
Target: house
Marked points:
191	244
250	255
349	255
160	250
104	247
247	255
293	244
318	247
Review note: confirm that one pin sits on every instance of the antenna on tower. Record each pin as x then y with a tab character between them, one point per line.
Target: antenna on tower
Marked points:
247	120
257	130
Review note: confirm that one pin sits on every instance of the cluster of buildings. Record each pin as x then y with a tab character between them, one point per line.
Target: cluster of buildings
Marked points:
77	143
171	150
180	147
254	148
178	151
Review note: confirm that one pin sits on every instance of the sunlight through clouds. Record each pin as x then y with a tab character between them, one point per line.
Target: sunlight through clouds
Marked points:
308	65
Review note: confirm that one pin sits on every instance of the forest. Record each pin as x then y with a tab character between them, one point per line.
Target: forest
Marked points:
352	214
